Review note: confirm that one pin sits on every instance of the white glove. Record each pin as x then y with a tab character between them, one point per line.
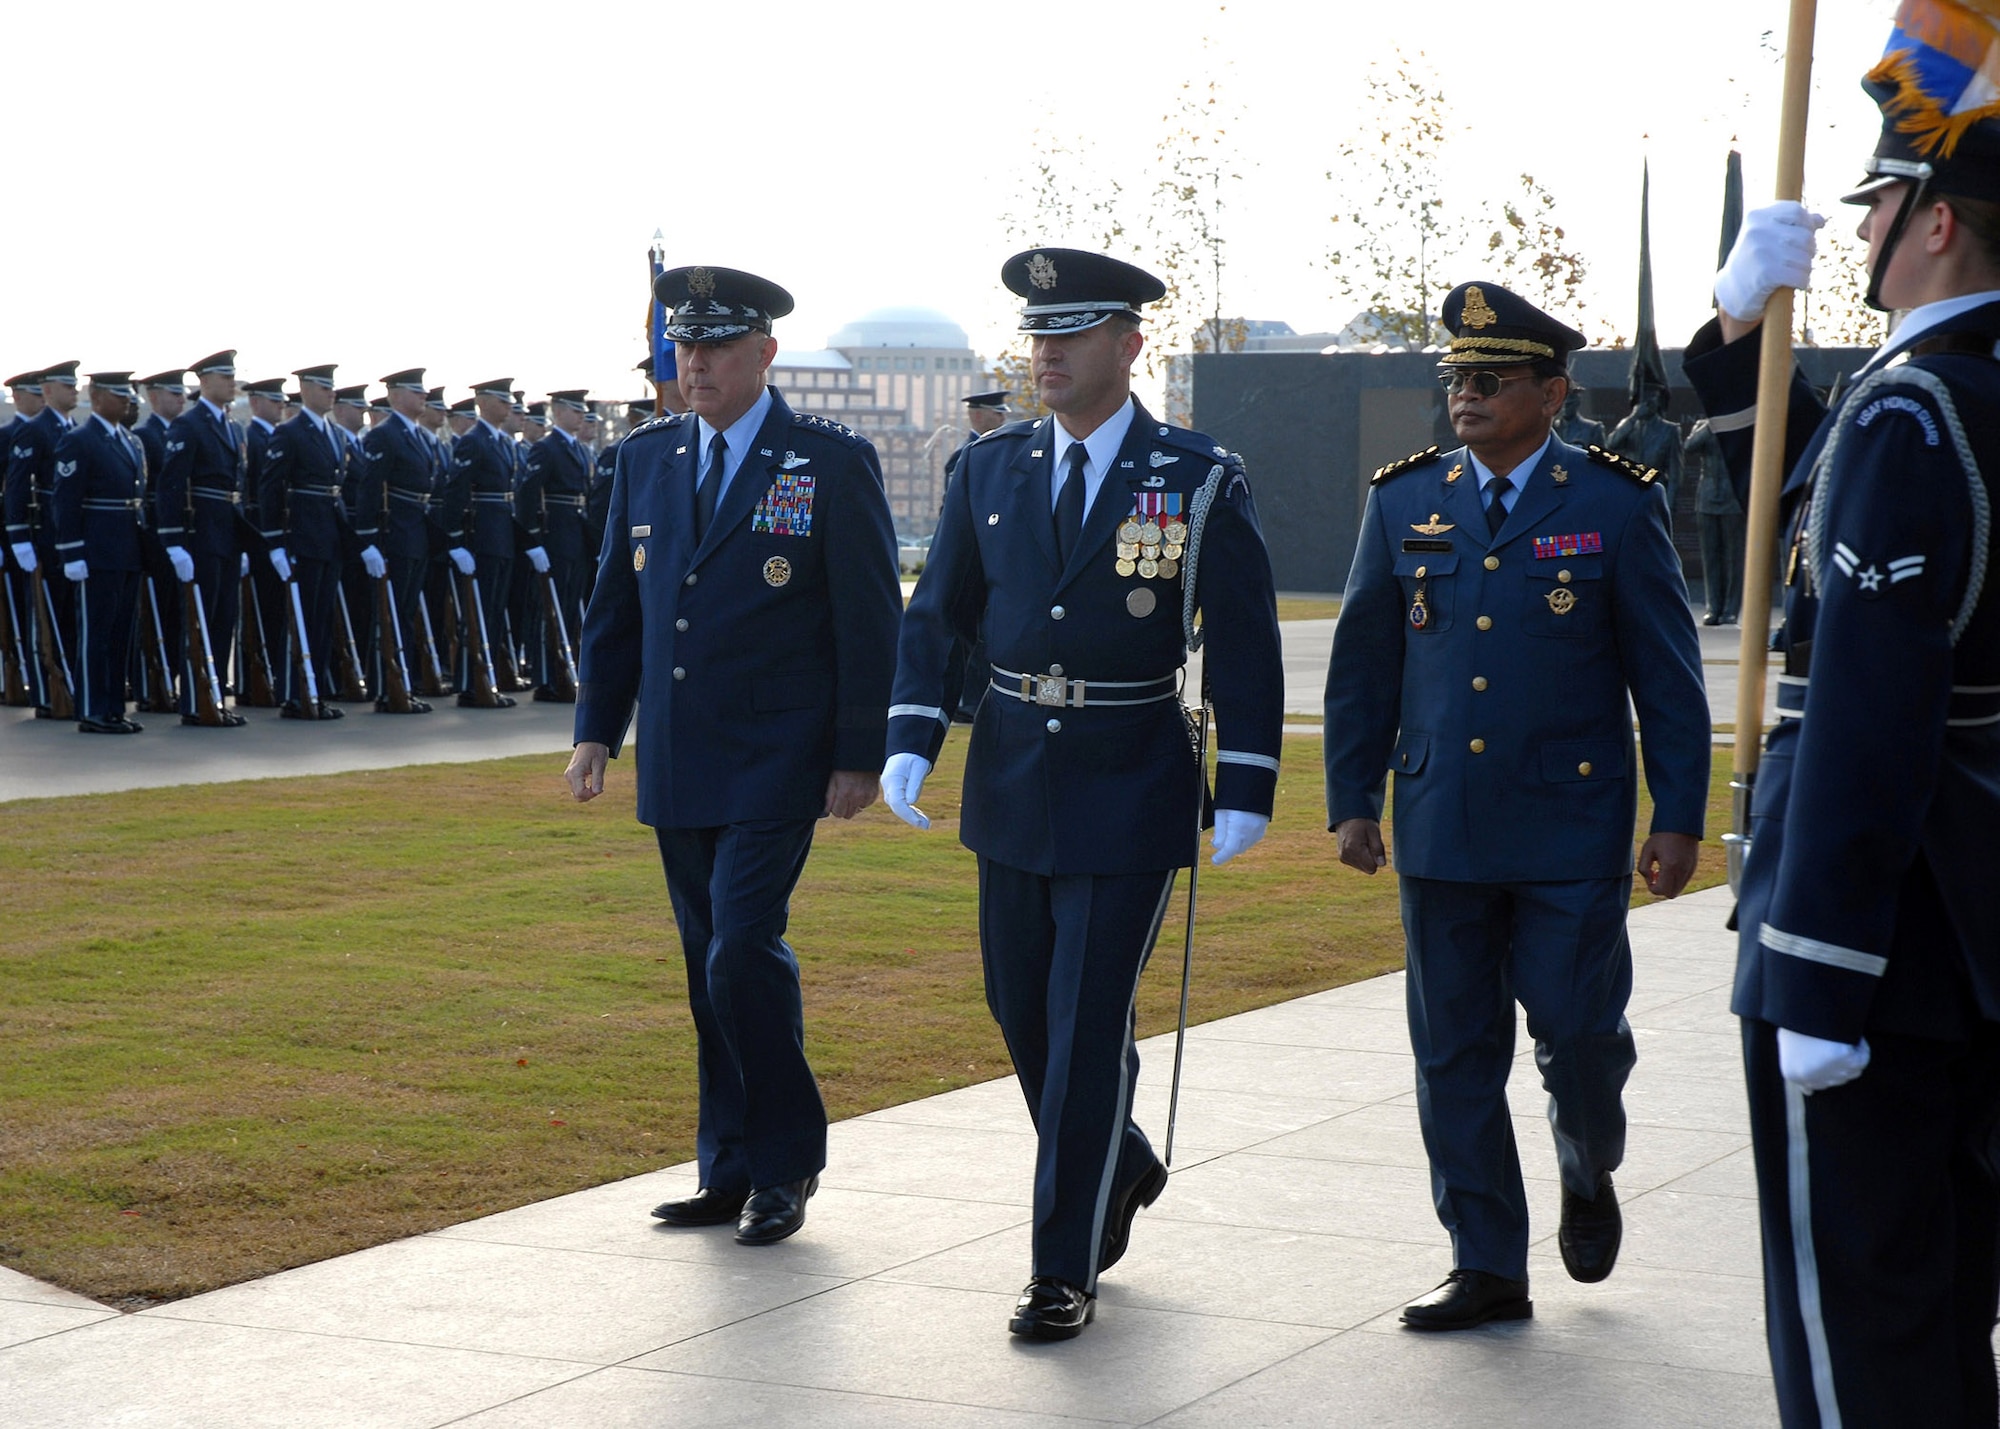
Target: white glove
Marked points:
243	567
539	559
461	558
372	562
182	563
1236	831
24	555
903	784
281	563
1816	1064
1773	250
76	570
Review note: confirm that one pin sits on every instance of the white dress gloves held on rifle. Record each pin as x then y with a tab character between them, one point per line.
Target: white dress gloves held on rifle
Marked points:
24	556
281	563
538	557
1773	250
76	570
461	558
182	562
1816	1064
372	562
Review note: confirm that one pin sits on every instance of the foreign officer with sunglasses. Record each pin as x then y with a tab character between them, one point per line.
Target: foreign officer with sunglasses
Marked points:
1511	604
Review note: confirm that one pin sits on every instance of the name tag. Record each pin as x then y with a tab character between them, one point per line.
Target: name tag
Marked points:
638	531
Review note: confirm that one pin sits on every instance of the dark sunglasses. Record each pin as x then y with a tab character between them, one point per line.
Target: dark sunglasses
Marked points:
1480	384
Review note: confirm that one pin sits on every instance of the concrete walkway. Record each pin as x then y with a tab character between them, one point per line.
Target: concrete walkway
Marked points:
1260	1291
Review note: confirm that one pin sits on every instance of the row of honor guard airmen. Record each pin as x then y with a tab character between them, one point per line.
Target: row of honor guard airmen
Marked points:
129	552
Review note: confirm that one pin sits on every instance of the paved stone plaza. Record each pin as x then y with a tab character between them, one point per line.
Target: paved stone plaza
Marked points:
1262	1289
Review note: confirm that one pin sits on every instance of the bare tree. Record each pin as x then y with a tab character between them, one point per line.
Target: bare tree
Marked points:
1389	248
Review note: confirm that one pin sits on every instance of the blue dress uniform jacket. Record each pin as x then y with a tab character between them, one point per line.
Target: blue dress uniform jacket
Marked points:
550	502
1869	898
298	498
479	495
201	484
152	435
1052	790
31	473
100	491
761	657
1501	702
397	487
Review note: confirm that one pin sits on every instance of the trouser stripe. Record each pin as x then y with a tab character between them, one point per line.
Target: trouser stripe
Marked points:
1798	1179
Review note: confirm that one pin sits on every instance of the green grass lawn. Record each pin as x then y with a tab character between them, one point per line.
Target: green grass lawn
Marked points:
253	1025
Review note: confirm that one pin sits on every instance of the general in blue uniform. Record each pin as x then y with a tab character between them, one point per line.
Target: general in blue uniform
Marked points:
1510	604
199	497
99	495
747	600
1082	546
1869	971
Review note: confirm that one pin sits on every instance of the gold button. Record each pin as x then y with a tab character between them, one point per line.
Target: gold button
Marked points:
1478	682
1492	563
1406	759
1420	571
1583	768
1478	746
1563	576
1485	622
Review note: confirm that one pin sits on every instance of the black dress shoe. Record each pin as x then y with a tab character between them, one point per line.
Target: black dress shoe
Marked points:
1468	1298
1124	1208
1051	1309
332	712
416	707
471	702
106	726
1590	1232
546	696
230	720
44	712
703	1208
774	1212
1711	620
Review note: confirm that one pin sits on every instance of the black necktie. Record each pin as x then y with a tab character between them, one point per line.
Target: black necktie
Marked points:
1496	504
711	483
1069	503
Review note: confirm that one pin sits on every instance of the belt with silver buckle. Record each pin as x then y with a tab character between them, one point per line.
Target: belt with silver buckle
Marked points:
494	498
332	491
555	500
1056	688
216	493
1970	705
415	498
134	503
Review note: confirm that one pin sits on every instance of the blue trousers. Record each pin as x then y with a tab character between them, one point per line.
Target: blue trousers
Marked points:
105	606
1474	949
1881	1221
762	1122
1062	958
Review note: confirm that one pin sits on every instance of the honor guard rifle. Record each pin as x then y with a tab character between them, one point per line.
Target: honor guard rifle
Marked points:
19	684
254	685
430	674
55	661
485	694
506	665
351	681
153	648
556	632
389	650
302	655
207	692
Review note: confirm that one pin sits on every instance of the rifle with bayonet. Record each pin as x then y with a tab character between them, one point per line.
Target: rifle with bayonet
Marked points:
207	692
19	683
389	650
351	681
254	685
485	692
55	661
555	631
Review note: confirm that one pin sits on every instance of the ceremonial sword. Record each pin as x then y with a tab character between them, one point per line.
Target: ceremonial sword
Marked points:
1200	733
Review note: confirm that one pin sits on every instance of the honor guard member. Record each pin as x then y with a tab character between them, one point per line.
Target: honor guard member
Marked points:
531	425
394	488
25	391
1868	978
266	396
479	521
199	497
1083	545
1510	604
303	524
984	412
98	500
462	416
350	420
166	399
554	486
30	526
747	599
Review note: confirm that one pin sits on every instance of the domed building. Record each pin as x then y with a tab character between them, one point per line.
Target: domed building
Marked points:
899	376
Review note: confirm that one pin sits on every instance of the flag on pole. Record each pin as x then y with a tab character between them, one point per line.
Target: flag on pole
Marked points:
656	322
1649	369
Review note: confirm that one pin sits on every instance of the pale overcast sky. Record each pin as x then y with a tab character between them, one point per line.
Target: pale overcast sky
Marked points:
473	186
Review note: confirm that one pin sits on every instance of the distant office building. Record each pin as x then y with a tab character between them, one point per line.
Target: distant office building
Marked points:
898	377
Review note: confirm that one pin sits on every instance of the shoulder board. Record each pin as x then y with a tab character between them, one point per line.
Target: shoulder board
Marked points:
1409	463
657	424
1016	428
1644	475
1160	434
812	421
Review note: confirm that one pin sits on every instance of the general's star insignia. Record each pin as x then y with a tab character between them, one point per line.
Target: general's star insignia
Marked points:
1434	527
